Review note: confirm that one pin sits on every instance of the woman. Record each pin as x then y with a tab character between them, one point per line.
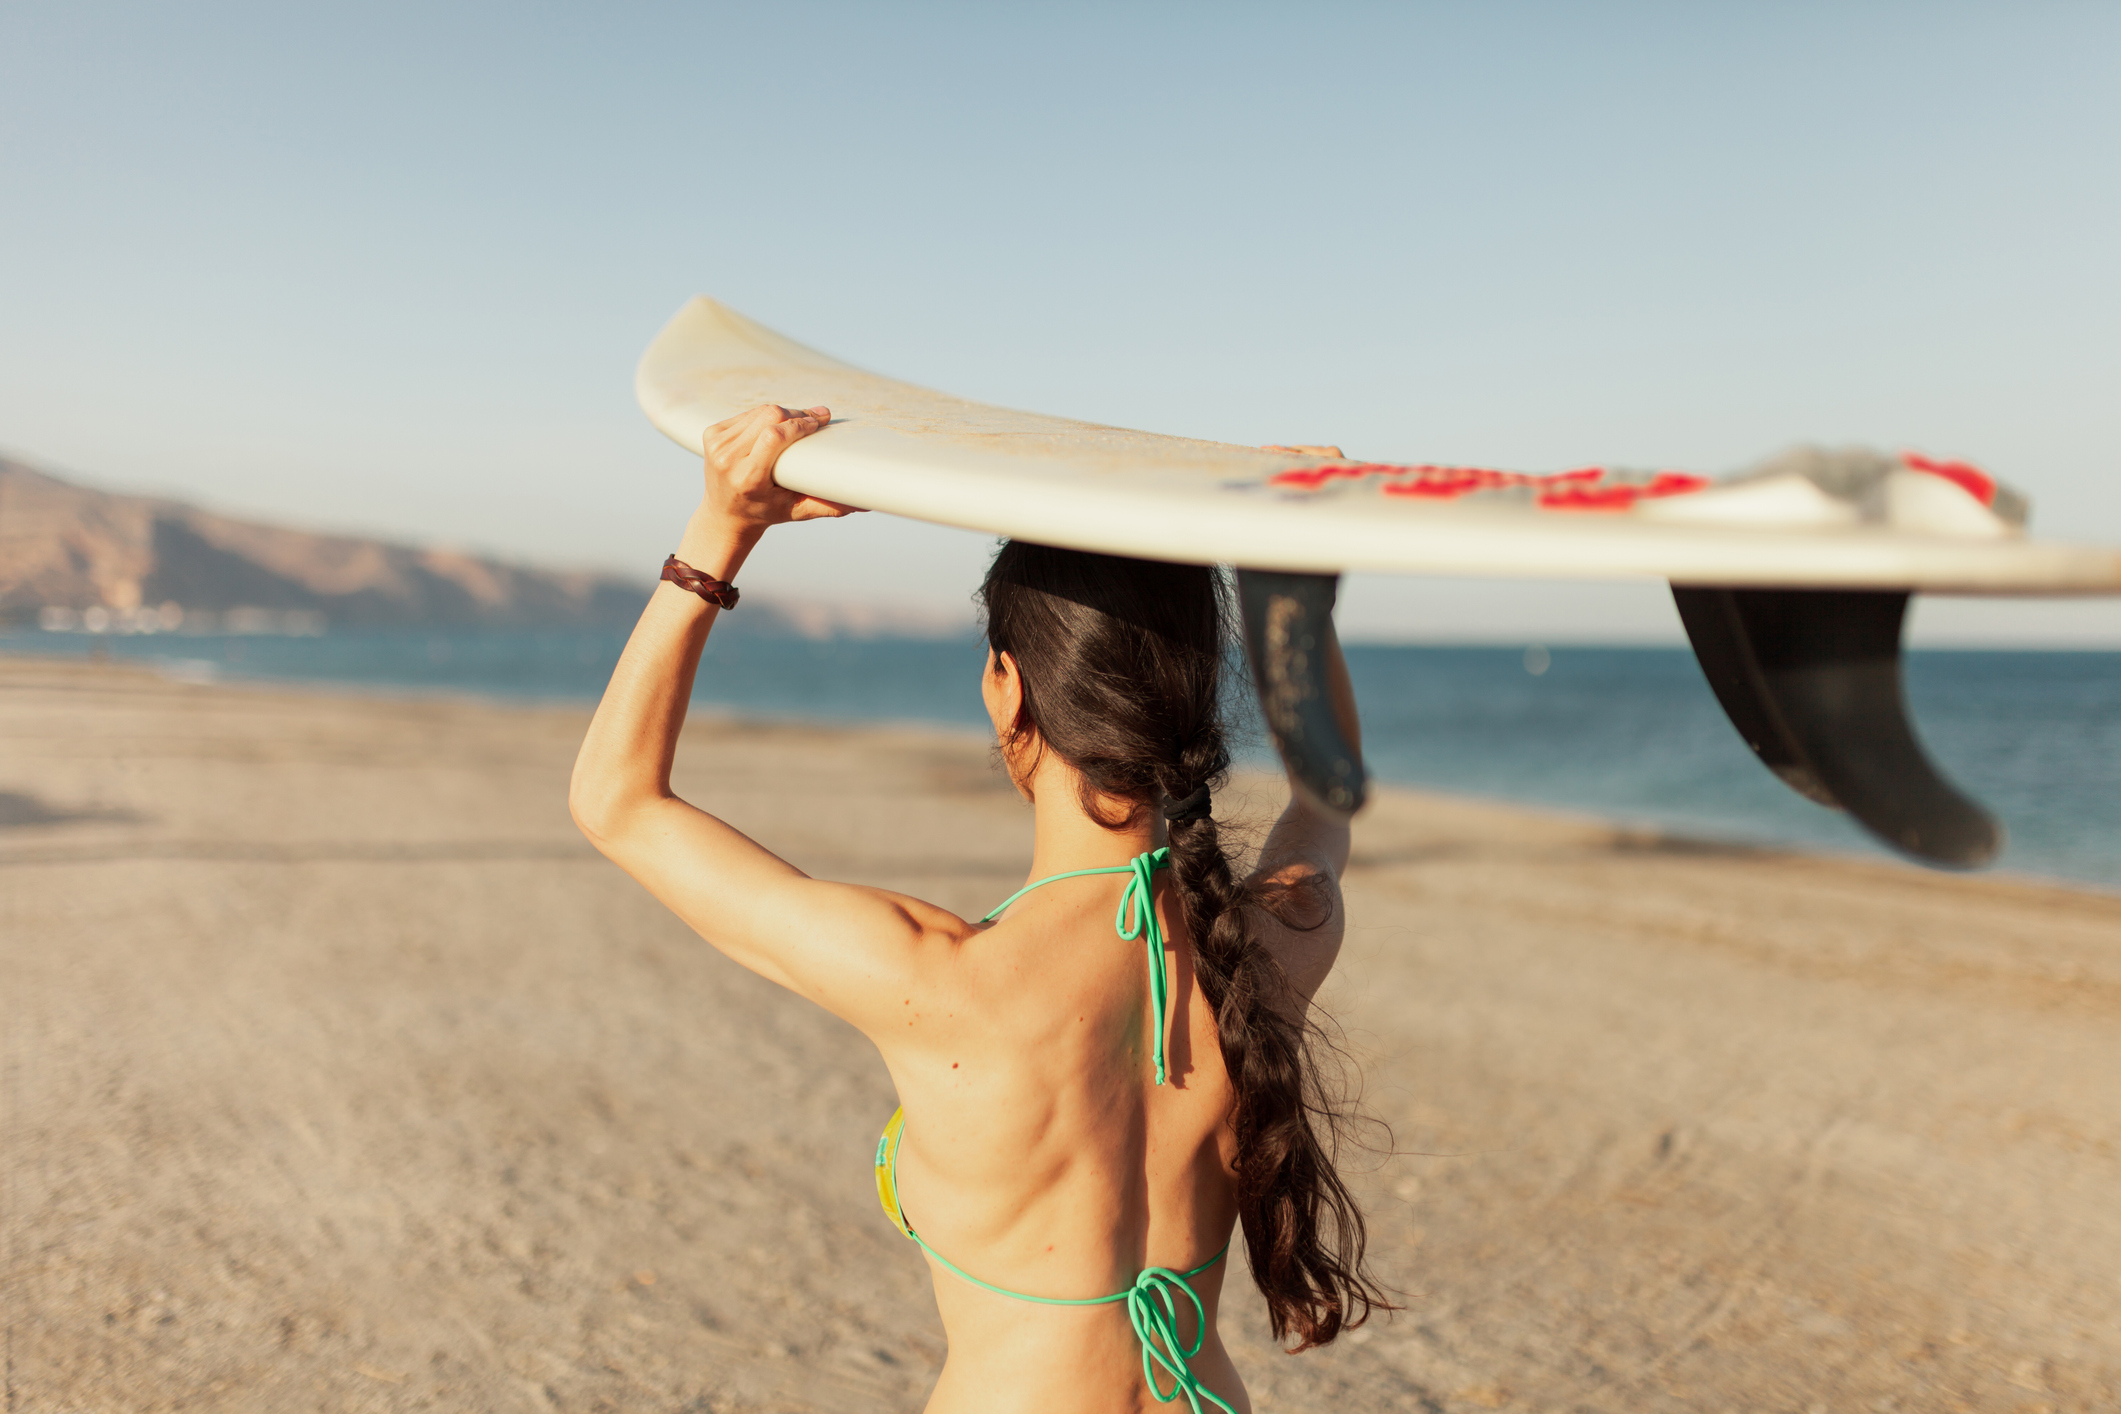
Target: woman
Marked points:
1090	1104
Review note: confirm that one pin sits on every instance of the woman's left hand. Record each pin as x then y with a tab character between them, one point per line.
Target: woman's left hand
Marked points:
741	454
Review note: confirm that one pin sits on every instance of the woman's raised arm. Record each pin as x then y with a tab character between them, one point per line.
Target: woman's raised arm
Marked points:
839	944
1307	852
1308	847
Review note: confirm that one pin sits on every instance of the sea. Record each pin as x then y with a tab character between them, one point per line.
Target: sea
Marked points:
1629	734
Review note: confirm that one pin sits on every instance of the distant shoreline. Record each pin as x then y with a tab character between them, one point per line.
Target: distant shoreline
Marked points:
1662	820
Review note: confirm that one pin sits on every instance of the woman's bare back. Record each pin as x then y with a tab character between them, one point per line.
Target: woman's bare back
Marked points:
1041	1156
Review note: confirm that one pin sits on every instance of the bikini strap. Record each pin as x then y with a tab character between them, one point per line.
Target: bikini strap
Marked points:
1136	918
1139	898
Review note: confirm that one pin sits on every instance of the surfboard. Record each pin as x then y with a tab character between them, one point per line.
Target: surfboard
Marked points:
1791	576
1914	523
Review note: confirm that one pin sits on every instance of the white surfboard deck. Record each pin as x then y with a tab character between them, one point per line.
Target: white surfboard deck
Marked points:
914	452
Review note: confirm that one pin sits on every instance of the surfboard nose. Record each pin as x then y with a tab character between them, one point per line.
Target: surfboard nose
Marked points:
1309	708
1811	678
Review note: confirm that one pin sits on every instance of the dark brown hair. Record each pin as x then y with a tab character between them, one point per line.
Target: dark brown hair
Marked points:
1122	664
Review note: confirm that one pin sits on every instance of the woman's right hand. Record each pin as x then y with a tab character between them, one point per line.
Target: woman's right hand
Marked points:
742	452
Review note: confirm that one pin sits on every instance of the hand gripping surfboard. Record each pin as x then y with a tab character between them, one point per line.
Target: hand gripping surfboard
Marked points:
1792	578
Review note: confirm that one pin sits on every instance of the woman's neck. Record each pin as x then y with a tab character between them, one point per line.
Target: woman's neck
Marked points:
1064	836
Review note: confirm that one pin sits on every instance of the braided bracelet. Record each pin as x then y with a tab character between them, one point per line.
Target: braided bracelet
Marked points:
718	592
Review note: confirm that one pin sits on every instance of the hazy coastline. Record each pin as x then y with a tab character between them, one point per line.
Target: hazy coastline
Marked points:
1624	734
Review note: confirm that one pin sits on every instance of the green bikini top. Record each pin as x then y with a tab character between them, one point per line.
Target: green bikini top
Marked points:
1153	1299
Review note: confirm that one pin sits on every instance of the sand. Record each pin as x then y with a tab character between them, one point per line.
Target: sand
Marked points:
339	1074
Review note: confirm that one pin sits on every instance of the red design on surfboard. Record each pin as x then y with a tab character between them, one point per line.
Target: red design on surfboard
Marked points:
1584	489
1965	475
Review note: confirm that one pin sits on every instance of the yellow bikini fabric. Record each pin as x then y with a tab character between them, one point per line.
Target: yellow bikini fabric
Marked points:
886	1182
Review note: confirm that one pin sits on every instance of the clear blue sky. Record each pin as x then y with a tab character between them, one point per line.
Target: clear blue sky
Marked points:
389	267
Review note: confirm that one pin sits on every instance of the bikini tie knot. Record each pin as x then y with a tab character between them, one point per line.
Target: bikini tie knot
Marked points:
1153	1309
1137	919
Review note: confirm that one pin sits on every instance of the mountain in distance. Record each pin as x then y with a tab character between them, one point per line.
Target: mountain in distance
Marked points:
76	558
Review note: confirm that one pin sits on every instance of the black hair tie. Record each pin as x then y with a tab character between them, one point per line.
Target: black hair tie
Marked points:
1193	807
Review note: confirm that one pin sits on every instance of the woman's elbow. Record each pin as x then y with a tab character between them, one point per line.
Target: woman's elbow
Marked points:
599	809
587	813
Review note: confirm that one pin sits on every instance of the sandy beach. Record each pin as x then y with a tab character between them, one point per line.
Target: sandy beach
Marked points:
340	1074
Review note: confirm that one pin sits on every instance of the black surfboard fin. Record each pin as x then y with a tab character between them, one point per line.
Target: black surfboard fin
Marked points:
1811	678
1287	617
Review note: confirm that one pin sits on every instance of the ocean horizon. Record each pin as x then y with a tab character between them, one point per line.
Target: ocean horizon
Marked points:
1631	734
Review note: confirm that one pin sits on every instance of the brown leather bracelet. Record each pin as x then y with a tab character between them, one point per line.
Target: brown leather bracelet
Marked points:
718	592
